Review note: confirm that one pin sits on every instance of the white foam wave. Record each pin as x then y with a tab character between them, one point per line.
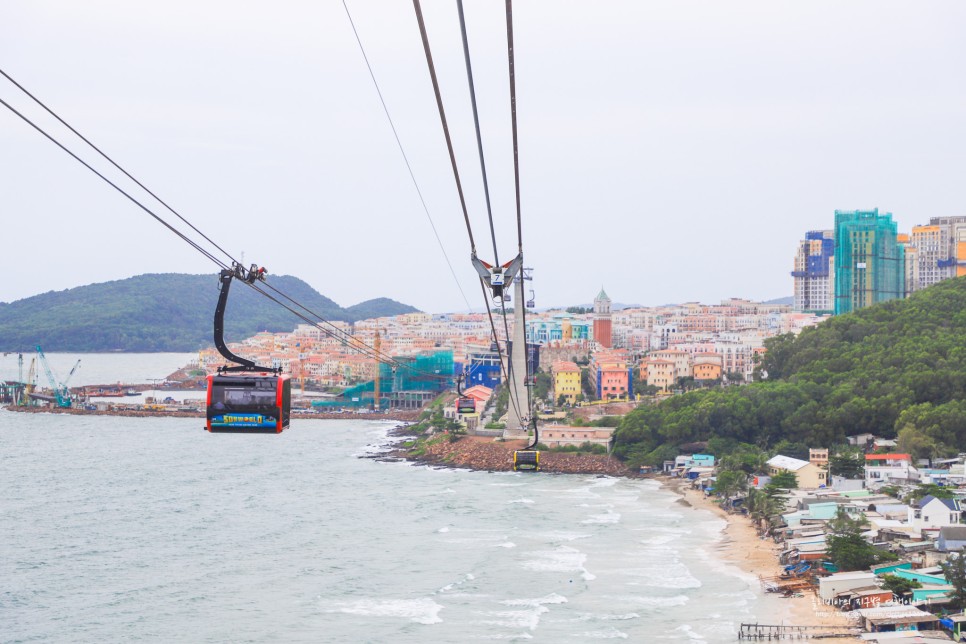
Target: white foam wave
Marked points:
448	587
526	501
445	528
652	602
507	544
529	619
689	632
562	559
603	481
420	611
664	572
602	519
608	634
552	598
564	536
659	541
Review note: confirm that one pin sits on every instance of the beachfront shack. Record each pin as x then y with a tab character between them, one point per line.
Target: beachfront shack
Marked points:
829	587
882	619
865	597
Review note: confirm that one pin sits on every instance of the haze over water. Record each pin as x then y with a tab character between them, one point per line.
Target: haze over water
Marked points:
149	528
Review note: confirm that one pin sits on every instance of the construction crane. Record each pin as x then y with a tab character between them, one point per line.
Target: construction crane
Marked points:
28	384
72	370
61	392
376	393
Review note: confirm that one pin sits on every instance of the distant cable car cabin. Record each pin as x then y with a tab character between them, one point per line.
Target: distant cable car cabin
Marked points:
526	461
245	399
465	406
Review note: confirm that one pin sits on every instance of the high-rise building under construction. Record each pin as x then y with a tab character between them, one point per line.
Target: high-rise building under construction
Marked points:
814	283
869	262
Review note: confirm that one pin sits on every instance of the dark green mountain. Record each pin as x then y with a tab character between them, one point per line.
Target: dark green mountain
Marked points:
164	312
896	366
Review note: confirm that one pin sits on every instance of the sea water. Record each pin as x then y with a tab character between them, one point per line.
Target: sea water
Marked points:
151	529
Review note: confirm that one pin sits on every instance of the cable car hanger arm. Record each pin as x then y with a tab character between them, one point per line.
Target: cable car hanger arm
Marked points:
249	276
497	278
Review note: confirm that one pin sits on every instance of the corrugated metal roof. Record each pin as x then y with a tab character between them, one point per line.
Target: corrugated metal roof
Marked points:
787	463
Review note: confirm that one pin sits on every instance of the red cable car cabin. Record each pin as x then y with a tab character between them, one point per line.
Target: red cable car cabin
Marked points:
247	402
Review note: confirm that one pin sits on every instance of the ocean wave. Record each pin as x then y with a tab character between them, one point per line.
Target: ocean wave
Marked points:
602	519
506	544
506	636
527	501
552	598
529	619
564	536
603	481
664	574
609	634
420	611
561	559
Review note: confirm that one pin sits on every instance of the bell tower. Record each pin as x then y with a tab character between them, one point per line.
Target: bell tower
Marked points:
602	321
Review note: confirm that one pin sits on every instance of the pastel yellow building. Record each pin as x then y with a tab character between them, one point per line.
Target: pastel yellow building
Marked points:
659	373
566	380
808	475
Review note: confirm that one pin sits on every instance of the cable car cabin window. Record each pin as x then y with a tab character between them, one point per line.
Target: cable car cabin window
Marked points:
249	403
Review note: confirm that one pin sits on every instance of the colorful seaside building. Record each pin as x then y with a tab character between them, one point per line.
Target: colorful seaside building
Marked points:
566	381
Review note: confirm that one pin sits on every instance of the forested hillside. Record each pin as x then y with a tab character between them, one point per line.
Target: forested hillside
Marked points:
162	312
894	366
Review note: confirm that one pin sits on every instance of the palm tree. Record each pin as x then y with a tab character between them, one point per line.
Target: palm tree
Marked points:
764	509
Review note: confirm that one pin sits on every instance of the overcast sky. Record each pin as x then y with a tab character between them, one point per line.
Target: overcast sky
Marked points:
670	151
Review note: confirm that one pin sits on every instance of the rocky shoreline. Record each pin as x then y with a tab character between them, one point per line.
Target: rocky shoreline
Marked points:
489	455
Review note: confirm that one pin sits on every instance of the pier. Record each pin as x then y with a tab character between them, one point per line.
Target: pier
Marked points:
775	632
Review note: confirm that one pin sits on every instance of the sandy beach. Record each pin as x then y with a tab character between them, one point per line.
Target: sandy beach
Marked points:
741	546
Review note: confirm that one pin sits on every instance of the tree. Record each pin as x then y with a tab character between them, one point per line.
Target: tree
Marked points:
928	489
848	549
899	585
785	480
543	385
916	443
847	463
955	571
730	482
763	508
686	383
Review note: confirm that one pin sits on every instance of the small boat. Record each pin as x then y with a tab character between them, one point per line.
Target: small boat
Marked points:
132	392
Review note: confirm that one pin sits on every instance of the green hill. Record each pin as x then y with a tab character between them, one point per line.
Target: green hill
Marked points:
163	312
896	365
